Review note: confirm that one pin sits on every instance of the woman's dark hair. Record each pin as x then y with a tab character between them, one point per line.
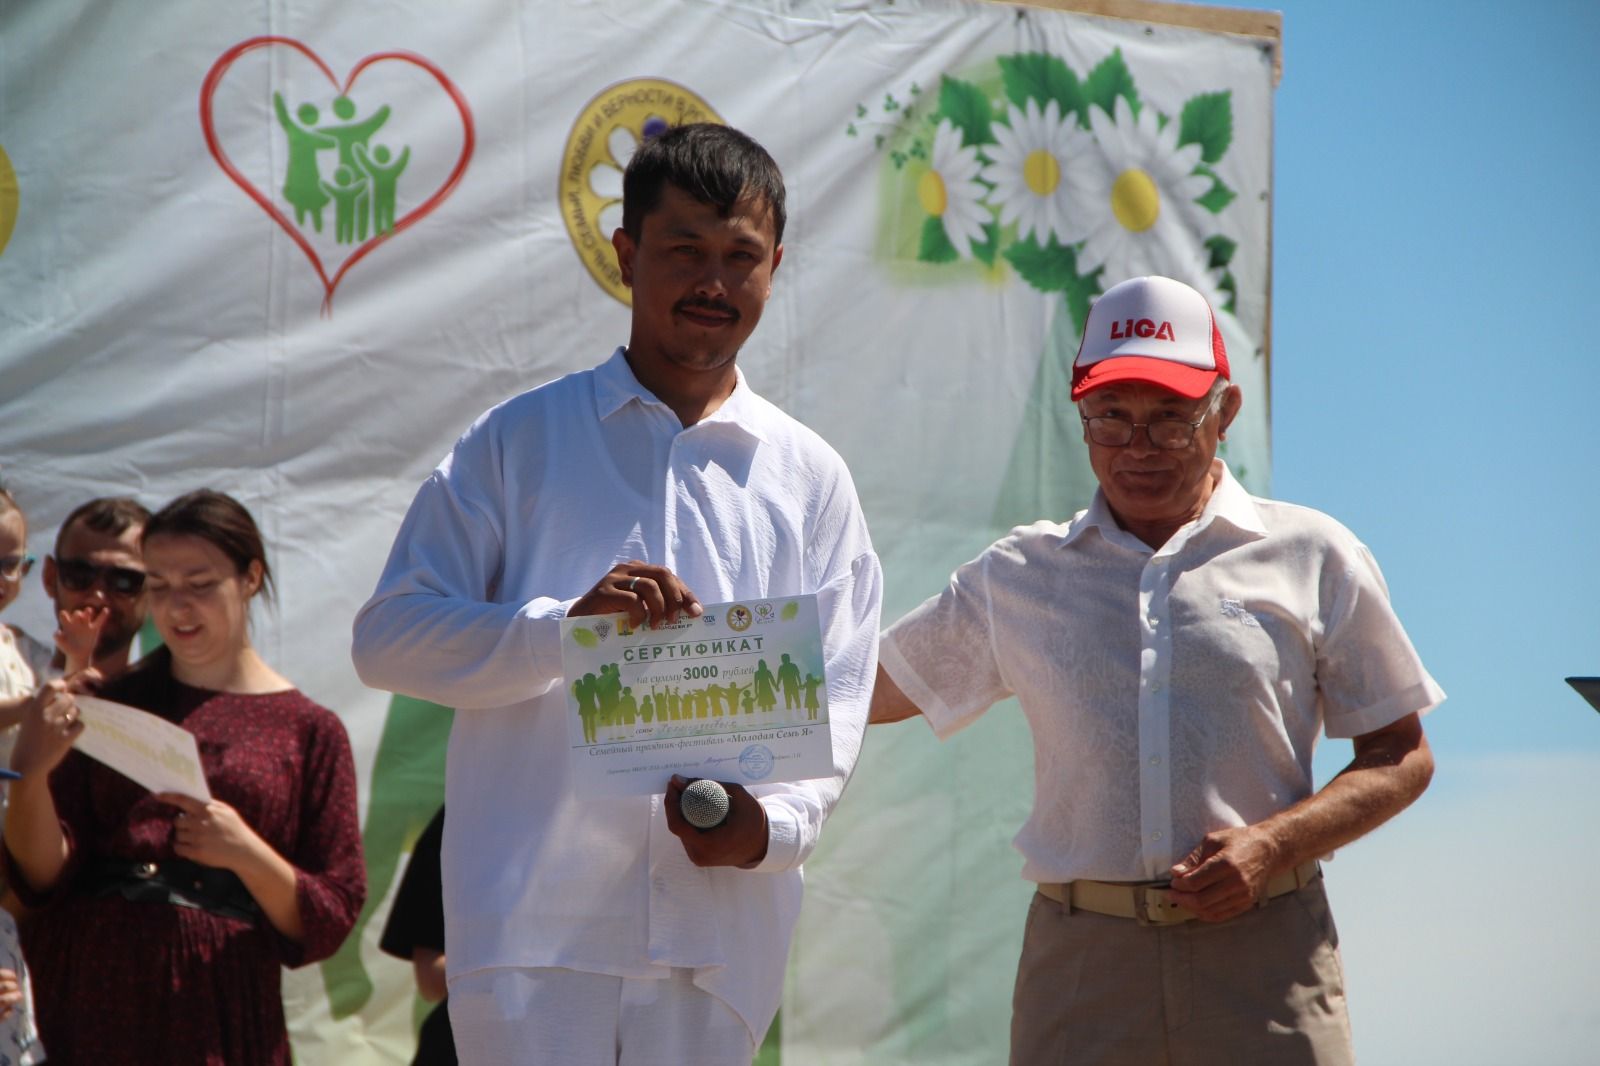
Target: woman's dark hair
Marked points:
716	165
218	519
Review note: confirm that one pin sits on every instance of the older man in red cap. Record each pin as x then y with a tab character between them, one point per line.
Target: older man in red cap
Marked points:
1177	648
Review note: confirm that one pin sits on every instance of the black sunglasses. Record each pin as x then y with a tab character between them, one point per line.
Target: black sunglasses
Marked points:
80	575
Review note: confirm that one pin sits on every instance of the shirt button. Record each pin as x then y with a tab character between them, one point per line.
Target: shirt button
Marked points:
1155	760
1156	835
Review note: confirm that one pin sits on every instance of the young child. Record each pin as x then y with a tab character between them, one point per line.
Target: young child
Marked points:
25	662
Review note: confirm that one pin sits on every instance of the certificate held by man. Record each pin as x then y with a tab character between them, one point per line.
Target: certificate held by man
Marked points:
737	694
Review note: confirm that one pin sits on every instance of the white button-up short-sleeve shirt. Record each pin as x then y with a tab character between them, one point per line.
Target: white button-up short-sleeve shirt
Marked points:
1170	692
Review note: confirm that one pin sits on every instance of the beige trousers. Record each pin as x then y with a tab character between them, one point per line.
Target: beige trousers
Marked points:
1263	989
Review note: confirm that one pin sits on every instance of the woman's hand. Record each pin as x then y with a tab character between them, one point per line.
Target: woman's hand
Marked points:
212	834
10	992
49	726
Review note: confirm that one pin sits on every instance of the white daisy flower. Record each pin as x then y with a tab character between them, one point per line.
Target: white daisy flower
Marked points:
1040	164
1143	187
949	190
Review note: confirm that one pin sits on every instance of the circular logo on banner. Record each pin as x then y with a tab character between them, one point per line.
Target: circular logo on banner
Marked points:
739	618
10	196
602	141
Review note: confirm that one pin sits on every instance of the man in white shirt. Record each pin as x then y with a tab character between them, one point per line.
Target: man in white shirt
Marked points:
609	931
1176	647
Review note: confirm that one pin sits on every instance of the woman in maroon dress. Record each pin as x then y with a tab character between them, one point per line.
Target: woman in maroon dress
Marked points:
162	922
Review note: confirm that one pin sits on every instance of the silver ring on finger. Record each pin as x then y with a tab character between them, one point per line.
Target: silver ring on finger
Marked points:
632	582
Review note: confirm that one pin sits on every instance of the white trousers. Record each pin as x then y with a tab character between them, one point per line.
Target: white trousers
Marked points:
509	1016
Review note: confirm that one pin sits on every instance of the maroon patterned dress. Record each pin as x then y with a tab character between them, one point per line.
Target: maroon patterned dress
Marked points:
136	982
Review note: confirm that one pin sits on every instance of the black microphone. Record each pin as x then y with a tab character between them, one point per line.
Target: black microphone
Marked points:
704	804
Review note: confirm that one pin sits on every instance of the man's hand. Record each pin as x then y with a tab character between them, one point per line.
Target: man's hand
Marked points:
739	841
1225	874
646	594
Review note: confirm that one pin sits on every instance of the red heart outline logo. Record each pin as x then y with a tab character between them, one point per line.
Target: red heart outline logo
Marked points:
209	88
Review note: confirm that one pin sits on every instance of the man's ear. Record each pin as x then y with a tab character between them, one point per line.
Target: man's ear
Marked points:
48	576
625	248
1232	400
777	257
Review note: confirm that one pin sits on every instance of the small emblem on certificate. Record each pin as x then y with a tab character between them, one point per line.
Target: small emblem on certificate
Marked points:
737	694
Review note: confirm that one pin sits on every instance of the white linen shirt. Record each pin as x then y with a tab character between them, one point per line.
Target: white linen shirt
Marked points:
1170	693
541	497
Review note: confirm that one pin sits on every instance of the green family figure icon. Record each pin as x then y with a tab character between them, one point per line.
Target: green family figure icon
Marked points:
611	711
364	181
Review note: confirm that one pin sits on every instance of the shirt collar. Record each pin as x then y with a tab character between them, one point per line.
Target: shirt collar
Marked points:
1229	501
615	387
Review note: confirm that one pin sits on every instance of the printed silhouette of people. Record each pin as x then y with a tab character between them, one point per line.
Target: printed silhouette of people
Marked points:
384	177
714	697
672	704
750	701
302	181
812	683
630	708
733	698
584	690
647	710
766	698
351	133
608	690
349	205
789	678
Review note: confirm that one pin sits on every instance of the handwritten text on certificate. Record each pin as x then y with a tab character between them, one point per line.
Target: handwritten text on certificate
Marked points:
737	694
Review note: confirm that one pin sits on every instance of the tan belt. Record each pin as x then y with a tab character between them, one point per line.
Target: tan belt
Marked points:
1151	903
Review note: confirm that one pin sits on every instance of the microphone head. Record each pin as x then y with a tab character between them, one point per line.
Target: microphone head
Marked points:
705	804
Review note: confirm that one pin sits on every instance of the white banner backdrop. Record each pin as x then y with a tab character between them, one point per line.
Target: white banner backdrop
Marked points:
291	250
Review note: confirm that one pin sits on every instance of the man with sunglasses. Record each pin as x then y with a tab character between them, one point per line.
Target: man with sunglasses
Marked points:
96	575
1177	648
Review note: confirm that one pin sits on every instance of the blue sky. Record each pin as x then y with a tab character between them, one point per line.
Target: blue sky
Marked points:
1435	367
1435	362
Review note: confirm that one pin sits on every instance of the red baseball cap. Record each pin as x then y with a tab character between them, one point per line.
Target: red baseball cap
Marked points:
1154	330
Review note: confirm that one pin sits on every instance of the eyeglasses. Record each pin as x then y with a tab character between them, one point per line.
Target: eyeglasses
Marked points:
1169	434
15	567
80	575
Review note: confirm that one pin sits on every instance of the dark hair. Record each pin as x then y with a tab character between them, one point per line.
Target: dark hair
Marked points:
716	165
113	515
219	519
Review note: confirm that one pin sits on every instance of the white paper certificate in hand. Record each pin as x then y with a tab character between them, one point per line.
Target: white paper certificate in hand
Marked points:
737	695
151	750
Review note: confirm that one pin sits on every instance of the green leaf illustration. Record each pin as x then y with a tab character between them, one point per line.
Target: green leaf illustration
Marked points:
1220	195
1221	249
1231	287
986	250
790	612
936	246
1049	268
1043	77
585	638
967	108
1208	121
1110	80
